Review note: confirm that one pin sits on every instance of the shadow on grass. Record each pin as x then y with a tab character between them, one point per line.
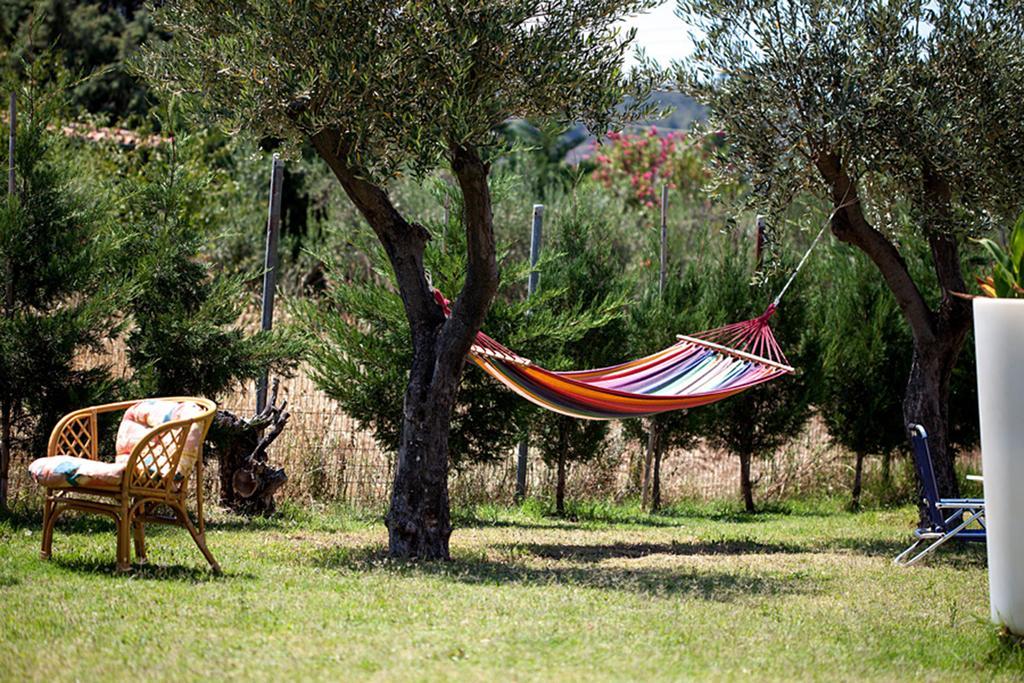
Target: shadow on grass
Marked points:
954	555
710	585
150	572
581	514
598	553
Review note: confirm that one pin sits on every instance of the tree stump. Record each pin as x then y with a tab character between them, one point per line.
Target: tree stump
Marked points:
247	479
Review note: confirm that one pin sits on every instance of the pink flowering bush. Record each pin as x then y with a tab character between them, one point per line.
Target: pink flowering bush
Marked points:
635	165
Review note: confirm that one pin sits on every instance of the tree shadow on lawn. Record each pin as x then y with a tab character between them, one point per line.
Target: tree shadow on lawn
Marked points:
673	517
601	552
710	585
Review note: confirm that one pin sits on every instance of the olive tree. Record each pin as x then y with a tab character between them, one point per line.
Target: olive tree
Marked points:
385	87
903	113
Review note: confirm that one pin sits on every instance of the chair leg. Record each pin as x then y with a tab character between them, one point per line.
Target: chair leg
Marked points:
139	532
936	543
123	541
899	561
199	538
49	518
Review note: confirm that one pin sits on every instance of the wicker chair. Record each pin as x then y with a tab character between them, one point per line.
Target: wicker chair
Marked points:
152	474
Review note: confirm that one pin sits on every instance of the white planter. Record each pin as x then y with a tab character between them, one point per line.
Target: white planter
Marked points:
999	339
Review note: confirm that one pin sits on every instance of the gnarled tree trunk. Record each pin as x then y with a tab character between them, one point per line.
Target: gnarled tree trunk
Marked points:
418	521
938	333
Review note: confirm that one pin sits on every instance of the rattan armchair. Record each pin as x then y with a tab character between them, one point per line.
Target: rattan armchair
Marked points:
151	479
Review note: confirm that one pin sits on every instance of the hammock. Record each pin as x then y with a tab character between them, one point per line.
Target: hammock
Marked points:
695	371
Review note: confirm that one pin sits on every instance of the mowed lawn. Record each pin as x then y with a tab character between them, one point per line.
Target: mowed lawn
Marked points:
805	591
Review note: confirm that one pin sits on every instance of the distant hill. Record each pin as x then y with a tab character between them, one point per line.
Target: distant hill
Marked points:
686	111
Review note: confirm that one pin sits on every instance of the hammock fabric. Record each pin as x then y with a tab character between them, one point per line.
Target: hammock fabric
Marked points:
695	371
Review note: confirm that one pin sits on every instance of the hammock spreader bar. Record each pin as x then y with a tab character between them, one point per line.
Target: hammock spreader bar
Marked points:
695	371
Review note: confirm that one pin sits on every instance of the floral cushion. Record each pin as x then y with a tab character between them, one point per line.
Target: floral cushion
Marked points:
145	415
65	471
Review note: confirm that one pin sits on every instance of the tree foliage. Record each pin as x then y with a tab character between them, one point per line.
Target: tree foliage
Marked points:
186	336
58	292
907	116
93	39
405	80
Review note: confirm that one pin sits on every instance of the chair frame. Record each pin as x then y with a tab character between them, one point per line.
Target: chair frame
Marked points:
133	502
948	518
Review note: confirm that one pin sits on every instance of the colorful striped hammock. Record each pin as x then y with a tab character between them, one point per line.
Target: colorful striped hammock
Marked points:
695	371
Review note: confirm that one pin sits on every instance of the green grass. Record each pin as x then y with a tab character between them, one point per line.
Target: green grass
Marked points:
804	591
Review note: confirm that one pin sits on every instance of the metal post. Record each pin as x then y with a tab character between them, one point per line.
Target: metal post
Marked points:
652	425
12	117
270	265
531	287
759	245
664	239
6	426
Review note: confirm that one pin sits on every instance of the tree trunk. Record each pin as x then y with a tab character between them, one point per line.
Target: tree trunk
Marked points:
927	403
938	334
560	486
656	479
419	524
858	472
418	521
746	484
652	446
5	452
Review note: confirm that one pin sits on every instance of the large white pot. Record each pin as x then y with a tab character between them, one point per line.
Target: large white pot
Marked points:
999	339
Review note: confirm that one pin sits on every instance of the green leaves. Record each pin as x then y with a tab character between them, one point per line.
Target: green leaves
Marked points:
402	81
1007	278
921	102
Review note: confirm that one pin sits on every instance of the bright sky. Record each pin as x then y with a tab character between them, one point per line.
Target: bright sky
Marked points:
662	34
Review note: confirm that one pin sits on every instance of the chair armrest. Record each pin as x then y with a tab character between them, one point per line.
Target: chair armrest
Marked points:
153	463
960	504
76	433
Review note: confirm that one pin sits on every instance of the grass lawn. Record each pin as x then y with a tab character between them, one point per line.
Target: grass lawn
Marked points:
806	591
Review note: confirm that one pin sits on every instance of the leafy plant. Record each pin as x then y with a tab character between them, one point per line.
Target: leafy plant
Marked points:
1007	278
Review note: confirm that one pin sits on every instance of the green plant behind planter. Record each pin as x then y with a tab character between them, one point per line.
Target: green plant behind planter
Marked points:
1007	278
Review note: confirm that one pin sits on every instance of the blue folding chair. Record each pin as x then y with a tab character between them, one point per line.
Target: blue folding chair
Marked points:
948	518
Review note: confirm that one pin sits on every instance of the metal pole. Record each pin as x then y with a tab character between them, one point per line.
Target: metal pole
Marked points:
664	239
531	287
12	116
5	405
652	431
270	265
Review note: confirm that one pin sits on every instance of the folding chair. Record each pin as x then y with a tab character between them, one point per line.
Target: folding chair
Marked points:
948	518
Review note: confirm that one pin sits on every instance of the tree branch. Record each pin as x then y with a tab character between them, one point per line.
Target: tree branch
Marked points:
404	242
481	283
851	226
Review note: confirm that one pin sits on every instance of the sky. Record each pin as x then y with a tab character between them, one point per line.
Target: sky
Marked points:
662	34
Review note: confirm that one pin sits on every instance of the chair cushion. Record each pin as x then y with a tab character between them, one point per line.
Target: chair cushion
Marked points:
65	471
145	415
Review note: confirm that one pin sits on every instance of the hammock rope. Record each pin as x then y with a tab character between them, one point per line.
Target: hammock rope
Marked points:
698	369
